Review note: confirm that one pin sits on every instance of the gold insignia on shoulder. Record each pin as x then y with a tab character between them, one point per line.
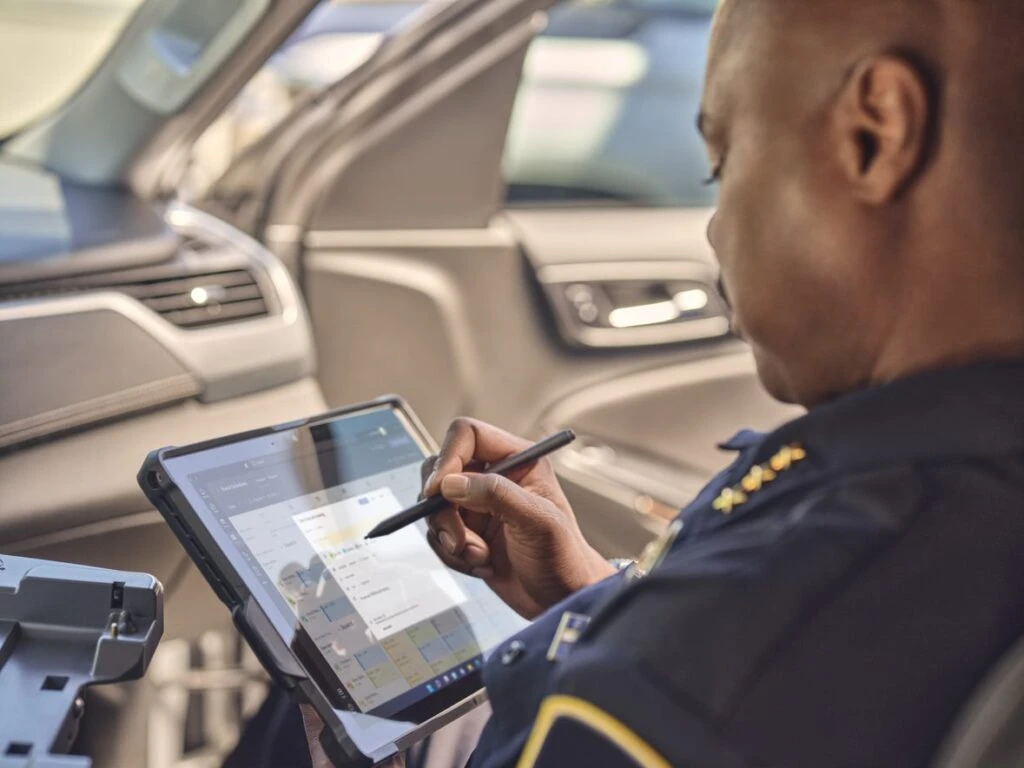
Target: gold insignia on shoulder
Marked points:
759	476
728	499
782	460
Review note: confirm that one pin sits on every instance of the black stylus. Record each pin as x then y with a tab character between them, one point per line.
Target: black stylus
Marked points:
437	503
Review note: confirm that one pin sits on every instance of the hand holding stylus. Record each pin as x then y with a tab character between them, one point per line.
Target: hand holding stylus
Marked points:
517	532
431	505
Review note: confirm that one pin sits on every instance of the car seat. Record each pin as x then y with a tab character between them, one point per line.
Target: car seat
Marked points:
989	731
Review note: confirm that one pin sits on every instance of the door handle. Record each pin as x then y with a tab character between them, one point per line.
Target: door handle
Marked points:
681	302
587	298
634	304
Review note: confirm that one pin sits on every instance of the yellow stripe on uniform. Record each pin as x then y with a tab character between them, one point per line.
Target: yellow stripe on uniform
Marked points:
555	707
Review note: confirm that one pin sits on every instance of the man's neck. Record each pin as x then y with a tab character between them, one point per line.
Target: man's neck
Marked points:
965	330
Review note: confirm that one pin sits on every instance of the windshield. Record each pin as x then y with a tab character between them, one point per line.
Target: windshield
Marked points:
47	50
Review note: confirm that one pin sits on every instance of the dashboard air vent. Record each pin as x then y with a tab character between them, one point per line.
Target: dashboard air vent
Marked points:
185	295
204	299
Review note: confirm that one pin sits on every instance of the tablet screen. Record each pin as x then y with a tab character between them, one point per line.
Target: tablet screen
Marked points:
385	628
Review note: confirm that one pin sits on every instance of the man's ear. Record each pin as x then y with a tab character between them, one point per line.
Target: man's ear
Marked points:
882	127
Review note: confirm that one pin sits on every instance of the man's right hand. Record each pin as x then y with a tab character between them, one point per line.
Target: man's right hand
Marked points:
518	533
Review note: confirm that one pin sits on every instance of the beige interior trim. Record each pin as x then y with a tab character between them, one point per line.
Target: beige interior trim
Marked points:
139	519
425	279
666	269
636	385
148	395
495	235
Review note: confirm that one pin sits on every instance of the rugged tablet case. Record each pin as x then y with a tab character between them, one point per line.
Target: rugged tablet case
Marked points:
254	625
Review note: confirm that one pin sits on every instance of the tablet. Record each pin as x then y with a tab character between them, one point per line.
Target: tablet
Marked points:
379	635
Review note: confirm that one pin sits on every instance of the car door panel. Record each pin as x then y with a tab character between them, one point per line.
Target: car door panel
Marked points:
455	321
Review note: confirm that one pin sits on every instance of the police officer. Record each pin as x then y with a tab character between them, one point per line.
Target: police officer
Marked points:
832	598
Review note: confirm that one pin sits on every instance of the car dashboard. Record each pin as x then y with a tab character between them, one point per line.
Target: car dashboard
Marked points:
124	327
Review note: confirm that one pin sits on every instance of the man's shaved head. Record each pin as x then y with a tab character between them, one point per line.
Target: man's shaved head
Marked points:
871	217
970	51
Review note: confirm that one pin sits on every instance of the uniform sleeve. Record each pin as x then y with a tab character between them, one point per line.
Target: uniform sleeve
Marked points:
657	676
573	731
609	713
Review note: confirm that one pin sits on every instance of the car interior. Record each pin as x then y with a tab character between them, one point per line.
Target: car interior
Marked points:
364	243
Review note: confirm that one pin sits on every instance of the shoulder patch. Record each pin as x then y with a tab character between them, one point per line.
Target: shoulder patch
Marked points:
571	731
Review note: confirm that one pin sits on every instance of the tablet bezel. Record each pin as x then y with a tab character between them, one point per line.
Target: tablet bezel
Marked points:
242	583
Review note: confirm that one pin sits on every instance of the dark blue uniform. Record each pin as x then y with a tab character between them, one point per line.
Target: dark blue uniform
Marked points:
830	601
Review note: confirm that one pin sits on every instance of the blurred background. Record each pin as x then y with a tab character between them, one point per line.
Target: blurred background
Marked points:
610	88
217	215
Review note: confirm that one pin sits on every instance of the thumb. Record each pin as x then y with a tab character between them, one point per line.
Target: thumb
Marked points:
314	725
498	496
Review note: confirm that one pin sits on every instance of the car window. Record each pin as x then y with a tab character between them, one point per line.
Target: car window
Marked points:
697	7
605	112
47	50
334	39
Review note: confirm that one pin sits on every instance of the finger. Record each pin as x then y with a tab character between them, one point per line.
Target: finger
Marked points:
463	534
477	552
314	725
455	563
426	470
429	464
311	721
498	496
461	538
478	522
469	439
450	529
474	554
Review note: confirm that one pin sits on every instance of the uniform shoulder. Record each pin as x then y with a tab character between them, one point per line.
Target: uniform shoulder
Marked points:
719	602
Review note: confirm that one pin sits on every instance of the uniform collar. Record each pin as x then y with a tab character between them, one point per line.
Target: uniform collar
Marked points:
975	410
742	440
